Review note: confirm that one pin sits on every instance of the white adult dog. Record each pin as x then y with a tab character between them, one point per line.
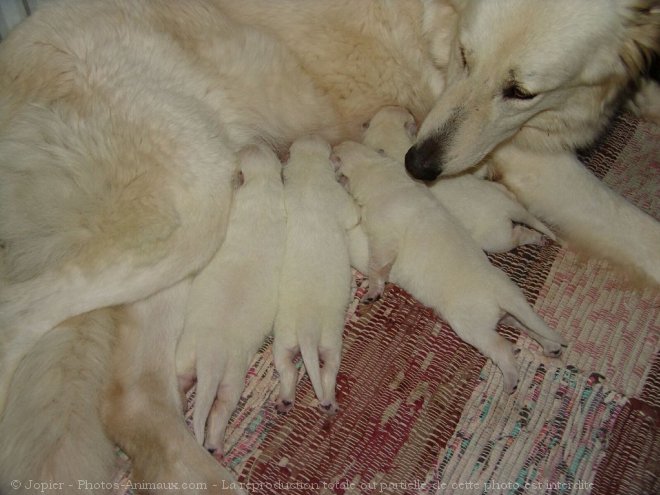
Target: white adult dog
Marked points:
486	209
542	83
430	254
316	275
119	126
233	302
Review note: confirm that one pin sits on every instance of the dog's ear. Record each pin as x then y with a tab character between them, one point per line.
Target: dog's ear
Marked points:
641	47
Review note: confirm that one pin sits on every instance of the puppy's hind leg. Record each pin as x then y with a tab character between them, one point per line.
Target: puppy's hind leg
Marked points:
524	318
283	359
227	398
142	410
330	352
381	259
477	328
521	235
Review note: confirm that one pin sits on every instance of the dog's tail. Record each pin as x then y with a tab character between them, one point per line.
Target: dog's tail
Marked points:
209	375
51	428
309	350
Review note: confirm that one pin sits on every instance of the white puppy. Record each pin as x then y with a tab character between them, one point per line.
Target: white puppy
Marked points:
486	209
316	276
416	242
233	301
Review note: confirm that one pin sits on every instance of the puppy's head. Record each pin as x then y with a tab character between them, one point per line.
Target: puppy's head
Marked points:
257	160
308	159
353	162
543	75
310	145
392	130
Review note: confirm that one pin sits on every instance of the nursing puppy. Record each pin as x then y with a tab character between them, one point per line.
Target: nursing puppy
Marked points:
233	301
316	275
486	209
417	244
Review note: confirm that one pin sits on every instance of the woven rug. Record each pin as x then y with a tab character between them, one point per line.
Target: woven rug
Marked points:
423	412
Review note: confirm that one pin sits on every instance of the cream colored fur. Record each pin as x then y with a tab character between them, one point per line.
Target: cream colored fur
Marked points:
316	276
59	380
120	121
533	80
233	301
415	242
486	209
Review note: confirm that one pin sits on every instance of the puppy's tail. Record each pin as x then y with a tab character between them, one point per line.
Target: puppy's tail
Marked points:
209	375
51	429
309	350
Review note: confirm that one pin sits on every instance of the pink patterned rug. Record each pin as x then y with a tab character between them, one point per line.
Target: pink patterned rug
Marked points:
423	412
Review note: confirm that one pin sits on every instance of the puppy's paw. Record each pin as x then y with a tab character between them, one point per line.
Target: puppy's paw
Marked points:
329	407
371	296
510	382
283	406
217	453
552	349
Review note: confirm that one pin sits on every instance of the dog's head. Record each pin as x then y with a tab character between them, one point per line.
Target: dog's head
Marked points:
545	75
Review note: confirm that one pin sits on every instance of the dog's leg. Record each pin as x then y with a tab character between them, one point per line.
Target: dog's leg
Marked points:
551	348
478	330
330	352
51	428
513	302
521	235
381	259
228	397
283	359
142	409
588	215
146	234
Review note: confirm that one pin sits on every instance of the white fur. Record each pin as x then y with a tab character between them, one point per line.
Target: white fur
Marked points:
316	276
120	122
486	209
570	67
233	301
417	244
60	380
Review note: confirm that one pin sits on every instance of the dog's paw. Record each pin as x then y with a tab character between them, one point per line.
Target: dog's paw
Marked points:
371	296
510	382
329	407
283	406
552	349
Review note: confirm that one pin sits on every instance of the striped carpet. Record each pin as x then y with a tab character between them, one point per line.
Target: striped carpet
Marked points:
423	412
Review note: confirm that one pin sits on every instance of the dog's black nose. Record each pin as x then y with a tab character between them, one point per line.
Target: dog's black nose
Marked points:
421	161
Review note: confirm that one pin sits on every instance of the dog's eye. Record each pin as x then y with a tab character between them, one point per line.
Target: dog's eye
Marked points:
515	92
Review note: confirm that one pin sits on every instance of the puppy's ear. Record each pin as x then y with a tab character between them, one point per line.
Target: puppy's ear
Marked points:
411	129
641	47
